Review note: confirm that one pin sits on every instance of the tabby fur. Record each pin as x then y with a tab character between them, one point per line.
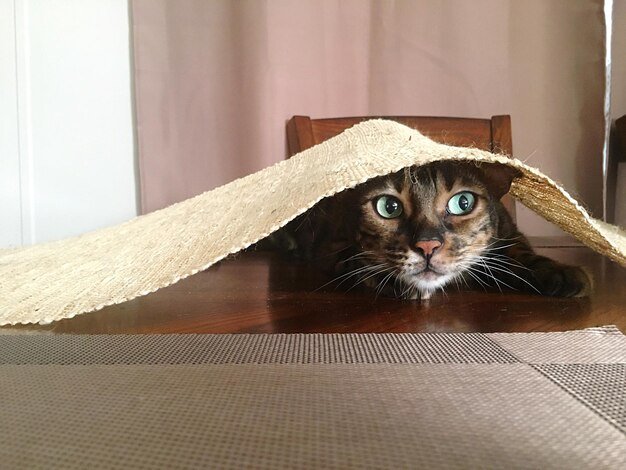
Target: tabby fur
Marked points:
427	247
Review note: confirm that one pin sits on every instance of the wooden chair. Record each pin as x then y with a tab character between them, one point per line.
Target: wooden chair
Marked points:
493	135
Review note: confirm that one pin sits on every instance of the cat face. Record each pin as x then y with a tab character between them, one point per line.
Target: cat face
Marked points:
426	225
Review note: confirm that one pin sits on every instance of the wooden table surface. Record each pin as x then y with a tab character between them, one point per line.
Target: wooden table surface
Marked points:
265	293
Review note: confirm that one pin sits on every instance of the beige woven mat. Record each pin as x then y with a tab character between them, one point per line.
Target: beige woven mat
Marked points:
62	279
531	400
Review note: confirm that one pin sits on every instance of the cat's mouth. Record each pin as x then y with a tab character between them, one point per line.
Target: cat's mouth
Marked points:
425	271
429	275
429	272
427	278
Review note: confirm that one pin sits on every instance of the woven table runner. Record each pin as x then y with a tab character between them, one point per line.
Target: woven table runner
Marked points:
61	279
428	400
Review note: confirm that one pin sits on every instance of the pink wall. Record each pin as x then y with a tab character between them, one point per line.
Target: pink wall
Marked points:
217	80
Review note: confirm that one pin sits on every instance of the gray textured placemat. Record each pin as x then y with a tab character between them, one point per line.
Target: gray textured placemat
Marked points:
538	400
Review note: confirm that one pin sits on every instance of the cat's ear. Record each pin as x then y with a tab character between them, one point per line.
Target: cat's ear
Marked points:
497	177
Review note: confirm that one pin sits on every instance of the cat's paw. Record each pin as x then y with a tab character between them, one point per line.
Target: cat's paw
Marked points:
560	280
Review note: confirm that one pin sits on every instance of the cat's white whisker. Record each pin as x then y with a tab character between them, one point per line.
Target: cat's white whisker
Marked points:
509	239
397	284
381	284
508	271
332	253
482	261
491	276
409	289
497	248
364	273
350	274
476	278
456	281
505	261
370	275
443	290
362	254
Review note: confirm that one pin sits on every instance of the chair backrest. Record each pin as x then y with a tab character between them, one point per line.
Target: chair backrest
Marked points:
493	135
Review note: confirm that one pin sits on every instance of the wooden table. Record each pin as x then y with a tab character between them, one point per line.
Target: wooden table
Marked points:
258	292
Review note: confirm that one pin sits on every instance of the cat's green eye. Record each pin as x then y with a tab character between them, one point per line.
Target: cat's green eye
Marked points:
388	207
461	203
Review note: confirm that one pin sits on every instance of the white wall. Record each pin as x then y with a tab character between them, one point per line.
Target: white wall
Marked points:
10	209
66	130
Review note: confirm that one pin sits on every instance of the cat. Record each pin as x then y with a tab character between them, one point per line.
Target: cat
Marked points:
421	229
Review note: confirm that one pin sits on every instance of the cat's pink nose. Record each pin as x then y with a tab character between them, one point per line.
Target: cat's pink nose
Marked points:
428	247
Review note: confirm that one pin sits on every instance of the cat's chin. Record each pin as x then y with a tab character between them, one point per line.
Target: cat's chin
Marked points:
426	283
